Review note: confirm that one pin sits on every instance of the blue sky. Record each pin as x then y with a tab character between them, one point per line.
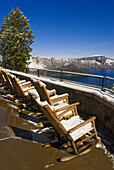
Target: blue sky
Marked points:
68	28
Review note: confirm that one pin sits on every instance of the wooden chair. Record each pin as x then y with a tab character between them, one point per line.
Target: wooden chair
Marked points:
80	134
50	92
46	96
21	87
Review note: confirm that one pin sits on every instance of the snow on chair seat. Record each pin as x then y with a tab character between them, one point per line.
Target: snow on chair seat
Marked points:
73	122
33	92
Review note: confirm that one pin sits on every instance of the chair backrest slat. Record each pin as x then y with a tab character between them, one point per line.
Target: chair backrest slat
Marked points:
7	80
2	78
18	87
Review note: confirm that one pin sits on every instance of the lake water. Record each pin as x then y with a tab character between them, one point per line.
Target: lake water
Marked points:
102	72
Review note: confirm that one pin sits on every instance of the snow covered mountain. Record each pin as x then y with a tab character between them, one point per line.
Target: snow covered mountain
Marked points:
98	61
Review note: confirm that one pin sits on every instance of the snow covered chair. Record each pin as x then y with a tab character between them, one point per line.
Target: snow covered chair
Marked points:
21	87
46	96
58	101
80	134
50	92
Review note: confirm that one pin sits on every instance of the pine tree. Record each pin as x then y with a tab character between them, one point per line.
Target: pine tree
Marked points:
15	40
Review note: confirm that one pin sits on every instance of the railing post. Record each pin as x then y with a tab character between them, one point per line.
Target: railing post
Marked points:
61	76
103	83
38	73
26	70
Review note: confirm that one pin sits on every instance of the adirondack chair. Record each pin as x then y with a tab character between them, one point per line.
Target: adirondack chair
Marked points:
80	134
44	95
57	101
21	87
50	92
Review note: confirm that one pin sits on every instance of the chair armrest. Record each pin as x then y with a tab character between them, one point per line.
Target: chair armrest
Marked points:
66	110
55	100
82	124
52	92
68	106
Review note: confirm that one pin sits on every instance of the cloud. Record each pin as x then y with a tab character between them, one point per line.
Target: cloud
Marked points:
75	50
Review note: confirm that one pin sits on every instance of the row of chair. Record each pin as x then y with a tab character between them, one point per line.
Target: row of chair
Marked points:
80	135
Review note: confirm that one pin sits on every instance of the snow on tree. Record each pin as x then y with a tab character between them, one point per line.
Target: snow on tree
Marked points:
15	40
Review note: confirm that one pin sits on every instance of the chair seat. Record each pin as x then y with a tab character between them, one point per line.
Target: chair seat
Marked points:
73	122
33	92
60	105
27	89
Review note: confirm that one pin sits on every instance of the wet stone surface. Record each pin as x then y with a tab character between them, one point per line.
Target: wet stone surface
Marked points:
21	145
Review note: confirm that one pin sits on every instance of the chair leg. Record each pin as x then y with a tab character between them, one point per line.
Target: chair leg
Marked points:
74	146
95	130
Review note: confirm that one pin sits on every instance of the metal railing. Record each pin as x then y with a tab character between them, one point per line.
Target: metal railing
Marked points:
109	82
88	79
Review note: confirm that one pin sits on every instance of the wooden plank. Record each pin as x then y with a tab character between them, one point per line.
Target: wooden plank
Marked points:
85	146
85	139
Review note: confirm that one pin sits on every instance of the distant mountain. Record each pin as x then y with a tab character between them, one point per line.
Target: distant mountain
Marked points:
95	62
72	68
98	61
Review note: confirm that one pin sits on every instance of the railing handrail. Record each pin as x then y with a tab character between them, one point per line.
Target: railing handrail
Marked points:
102	79
58	71
83	74
74	73
110	78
